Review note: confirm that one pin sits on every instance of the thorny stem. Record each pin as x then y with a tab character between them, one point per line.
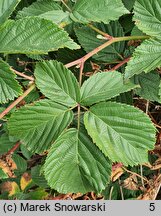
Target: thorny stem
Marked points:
133	173
101	47
22	75
17	101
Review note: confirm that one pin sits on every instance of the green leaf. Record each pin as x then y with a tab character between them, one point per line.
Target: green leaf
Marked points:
129	4
126	97
97	11
33	35
5	144
6	8
25	152
136	32
66	55
103	86
149	84
122	132
145	58
38	125
37	177
20	163
89	40
74	164
160	91
38	8
3	175
47	9
57	16
57	82
37	194
147	17
9	87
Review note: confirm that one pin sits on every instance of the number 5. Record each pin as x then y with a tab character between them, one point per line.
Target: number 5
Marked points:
152	207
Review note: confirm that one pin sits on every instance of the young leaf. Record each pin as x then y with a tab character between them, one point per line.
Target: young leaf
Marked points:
74	164
145	58
33	35
89	41
147	17
97	11
47	9
38	125
122	132
6	8
103	86
149	84
9	87
57	82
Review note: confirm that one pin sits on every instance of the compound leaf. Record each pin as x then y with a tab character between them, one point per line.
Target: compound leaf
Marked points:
122	132
38	125
33	35
103	86
97	11
75	164
57	82
9	87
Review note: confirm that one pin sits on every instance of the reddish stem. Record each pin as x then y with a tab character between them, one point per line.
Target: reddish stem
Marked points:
13	149
17	101
116	166
120	64
81	73
22	75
